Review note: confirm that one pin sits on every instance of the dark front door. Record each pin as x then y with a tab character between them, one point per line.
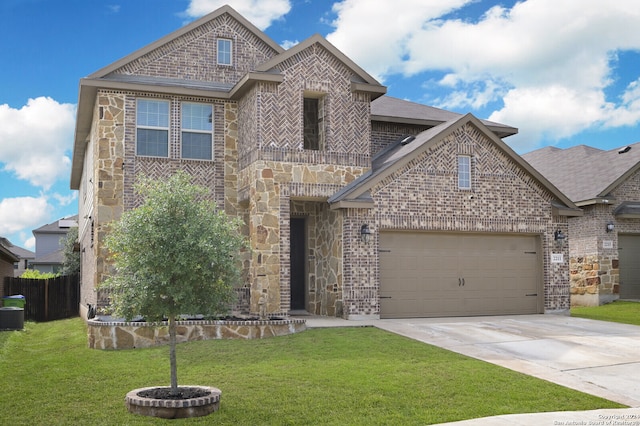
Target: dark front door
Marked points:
297	258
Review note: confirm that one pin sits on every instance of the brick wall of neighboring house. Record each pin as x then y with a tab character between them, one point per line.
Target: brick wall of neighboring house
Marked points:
6	270
594	266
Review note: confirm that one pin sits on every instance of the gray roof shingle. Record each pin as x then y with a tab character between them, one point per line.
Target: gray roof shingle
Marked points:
584	173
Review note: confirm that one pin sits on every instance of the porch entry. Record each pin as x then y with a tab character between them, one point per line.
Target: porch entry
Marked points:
297	263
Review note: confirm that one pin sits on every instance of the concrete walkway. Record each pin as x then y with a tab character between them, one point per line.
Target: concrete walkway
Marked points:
595	357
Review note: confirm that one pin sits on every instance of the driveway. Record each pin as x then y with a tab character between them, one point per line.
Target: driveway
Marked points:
596	357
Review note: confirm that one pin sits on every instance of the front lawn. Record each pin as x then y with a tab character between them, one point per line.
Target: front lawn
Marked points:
339	376
618	311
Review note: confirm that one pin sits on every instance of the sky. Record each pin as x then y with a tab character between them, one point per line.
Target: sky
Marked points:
564	73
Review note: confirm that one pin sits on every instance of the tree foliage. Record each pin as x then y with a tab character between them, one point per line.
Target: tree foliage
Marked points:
35	274
71	256
175	254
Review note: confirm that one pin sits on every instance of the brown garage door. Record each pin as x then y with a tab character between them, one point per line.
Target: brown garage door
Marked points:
438	274
629	255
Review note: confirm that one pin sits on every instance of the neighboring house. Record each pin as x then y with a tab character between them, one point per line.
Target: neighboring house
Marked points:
356	205
25	257
50	244
604	244
7	261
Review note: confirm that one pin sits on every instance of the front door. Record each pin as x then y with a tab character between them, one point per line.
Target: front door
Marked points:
297	258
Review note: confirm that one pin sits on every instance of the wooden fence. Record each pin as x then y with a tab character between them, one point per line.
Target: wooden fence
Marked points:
46	300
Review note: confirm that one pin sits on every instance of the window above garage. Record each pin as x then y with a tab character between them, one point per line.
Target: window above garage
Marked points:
464	172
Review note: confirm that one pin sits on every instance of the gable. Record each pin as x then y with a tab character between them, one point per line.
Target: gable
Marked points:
427	185
190	53
311	70
359	80
493	161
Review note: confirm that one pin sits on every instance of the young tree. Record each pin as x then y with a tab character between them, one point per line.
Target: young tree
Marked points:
71	262
175	254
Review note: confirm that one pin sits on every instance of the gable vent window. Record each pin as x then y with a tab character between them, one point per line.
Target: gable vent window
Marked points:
224	51
197	131
313	117
152	127
464	172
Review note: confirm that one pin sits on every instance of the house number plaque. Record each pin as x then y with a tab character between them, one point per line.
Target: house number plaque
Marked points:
557	257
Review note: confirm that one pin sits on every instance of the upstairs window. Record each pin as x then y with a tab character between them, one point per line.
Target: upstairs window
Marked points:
197	131
224	51
313	117
152	128
464	172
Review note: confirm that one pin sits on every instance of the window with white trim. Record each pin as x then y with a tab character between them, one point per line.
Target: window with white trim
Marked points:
197	131
152	127
464	172
224	51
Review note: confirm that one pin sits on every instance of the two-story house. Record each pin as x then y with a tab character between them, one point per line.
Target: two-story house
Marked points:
356	204
50	244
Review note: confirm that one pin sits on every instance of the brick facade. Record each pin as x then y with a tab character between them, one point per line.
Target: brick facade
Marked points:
594	257
261	172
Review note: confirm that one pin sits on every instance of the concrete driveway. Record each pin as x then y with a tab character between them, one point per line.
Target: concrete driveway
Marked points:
596	357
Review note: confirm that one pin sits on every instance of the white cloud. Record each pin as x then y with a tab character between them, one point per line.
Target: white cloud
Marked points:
34	140
65	200
19	213
376	33
544	64
260	13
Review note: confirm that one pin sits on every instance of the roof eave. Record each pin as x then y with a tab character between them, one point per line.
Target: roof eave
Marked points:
250	79
352	204
376	90
500	131
596	200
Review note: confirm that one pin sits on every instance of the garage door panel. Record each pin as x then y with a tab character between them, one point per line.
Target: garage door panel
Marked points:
629	258
458	274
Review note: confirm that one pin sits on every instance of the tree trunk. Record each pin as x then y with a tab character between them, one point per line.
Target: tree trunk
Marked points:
172	354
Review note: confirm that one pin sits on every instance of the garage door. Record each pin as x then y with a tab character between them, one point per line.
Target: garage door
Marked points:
629	256
437	274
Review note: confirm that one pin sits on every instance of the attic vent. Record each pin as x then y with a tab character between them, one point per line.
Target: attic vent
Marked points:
407	140
624	150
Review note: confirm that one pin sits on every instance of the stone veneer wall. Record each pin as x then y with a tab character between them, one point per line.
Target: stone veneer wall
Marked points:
595	270
116	167
269	187
131	335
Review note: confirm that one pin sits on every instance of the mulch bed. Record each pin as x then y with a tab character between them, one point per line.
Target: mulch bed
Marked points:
165	393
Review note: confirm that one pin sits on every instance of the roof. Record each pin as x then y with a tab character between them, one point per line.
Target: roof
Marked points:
6	253
390	109
53	258
357	193
60	226
22	253
585	174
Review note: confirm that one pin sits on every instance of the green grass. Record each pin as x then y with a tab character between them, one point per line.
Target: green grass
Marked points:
618	311
343	376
